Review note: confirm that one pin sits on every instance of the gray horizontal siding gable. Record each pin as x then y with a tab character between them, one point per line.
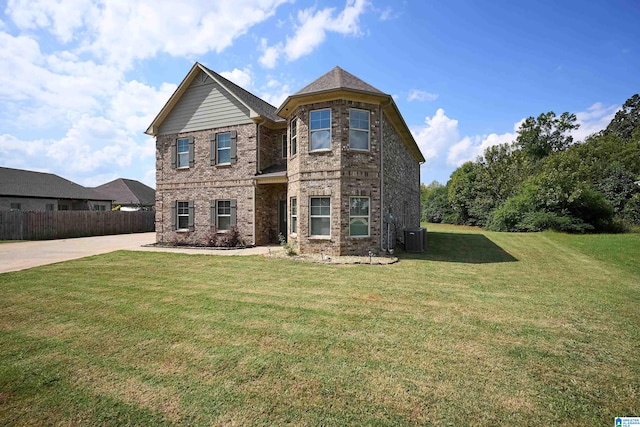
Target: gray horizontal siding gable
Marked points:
204	105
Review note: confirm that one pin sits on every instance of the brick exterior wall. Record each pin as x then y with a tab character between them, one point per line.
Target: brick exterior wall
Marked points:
267	198
271	147
203	183
401	185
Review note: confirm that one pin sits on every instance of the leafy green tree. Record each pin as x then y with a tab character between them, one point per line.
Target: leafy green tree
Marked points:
436	207
626	120
462	192
547	134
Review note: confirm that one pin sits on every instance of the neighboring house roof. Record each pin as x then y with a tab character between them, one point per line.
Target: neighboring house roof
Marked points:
337	84
257	107
128	192
24	183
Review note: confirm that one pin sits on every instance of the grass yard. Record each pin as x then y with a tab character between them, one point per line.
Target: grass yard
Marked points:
484	329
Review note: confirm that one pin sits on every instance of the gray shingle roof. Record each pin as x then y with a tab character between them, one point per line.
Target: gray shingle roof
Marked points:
24	183
258	105
336	79
128	192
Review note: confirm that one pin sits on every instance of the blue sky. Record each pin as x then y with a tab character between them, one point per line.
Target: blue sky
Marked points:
81	81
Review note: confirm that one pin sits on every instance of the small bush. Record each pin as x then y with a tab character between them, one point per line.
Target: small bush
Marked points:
230	239
289	247
211	238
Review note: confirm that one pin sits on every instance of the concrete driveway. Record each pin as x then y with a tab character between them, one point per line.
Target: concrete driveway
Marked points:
16	256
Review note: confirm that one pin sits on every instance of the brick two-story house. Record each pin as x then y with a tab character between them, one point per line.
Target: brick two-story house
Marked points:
325	169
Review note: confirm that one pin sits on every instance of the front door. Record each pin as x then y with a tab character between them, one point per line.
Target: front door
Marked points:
282	217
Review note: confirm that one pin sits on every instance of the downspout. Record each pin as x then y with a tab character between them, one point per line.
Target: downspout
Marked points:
382	107
255	183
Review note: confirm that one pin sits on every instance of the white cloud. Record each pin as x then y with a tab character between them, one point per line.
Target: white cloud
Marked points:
64	77
420	95
242	77
387	14
276	93
596	118
121	31
443	148
437	136
470	148
311	30
270	54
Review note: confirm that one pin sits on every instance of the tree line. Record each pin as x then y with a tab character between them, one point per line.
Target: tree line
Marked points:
545	180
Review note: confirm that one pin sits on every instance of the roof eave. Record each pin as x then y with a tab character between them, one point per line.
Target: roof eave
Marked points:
293	101
401	127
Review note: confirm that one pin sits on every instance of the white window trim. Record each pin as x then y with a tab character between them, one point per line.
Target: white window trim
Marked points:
178	164
311	131
294	137
178	215
225	149
284	147
368	217
218	216
293	216
368	130
319	236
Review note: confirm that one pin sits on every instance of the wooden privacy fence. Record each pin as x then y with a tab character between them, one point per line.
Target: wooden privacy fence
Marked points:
45	225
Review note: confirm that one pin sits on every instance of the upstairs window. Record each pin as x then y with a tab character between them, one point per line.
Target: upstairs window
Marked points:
183	152
16	206
224	148
320	125
294	137
49	206
358	129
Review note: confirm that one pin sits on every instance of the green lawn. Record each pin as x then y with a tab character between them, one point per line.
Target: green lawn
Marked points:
484	329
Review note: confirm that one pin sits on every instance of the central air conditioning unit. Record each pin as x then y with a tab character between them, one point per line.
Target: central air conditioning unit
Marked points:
415	239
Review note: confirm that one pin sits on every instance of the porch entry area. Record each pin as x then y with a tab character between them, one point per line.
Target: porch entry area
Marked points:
271	212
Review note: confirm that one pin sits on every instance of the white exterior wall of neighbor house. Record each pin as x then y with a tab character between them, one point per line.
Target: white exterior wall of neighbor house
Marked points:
401	178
